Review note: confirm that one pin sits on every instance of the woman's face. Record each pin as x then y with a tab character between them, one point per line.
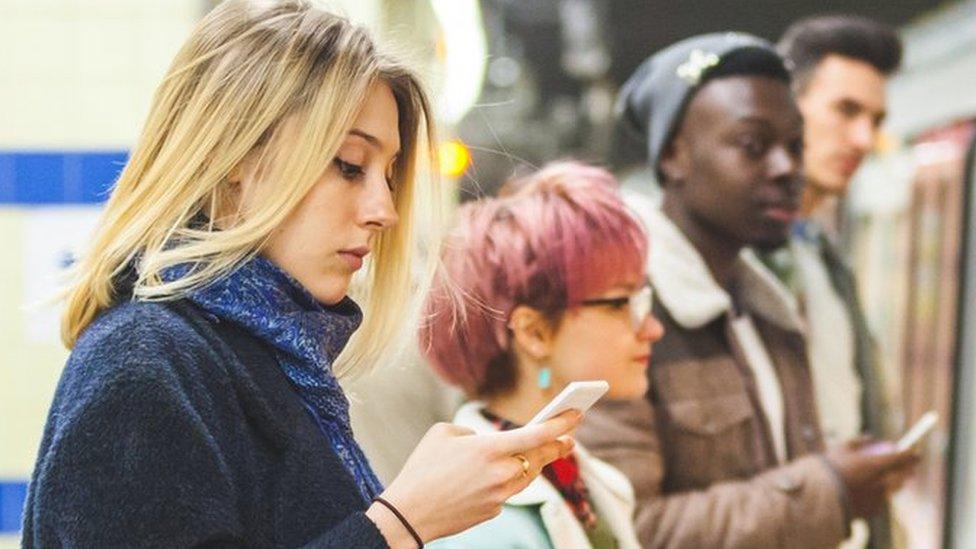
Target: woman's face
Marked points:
322	243
600	341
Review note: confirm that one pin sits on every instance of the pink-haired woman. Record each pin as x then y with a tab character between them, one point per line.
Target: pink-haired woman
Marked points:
540	288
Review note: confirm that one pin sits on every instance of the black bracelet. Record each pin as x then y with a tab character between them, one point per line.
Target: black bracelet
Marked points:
403	520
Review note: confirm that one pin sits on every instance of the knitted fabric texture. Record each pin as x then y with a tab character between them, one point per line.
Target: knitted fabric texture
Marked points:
306	337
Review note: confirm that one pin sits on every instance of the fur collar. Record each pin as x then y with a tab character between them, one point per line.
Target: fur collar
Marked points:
686	288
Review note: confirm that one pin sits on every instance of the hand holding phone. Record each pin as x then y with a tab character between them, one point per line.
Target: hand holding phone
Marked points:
912	438
578	395
922	428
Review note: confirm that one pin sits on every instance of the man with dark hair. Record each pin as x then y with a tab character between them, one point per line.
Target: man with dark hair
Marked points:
726	450
840	65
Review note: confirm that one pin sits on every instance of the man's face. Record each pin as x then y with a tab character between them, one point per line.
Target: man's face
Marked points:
734	164
843	105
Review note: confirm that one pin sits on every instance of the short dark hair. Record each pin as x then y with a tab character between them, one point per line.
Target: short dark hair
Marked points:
808	41
751	61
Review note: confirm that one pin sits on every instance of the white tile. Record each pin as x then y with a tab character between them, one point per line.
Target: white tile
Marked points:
36	115
52	236
106	49
7	51
39	8
81	73
128	9
41	49
182	10
159	41
109	115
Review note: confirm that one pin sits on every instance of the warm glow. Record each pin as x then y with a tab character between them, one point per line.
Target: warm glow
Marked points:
454	158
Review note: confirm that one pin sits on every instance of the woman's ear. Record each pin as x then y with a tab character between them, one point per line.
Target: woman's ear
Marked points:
236	175
244	173
236	189
532	332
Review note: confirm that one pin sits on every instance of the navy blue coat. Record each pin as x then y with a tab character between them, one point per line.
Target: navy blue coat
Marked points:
171	428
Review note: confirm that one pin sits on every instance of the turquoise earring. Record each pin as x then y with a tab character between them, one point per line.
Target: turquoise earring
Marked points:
545	378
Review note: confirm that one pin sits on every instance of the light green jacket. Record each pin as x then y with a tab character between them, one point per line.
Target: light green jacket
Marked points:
538	516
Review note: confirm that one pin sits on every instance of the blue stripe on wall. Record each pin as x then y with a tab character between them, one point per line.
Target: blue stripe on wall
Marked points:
77	177
12	496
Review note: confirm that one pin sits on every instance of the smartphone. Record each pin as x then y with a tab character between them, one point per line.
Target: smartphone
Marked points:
922	428
578	395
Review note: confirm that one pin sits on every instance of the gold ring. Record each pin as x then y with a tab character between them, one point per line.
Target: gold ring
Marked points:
525	464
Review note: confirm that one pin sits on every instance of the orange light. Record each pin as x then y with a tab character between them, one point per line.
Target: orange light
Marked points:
886	143
454	158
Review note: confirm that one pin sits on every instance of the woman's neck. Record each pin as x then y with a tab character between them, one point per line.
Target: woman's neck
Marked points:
522	404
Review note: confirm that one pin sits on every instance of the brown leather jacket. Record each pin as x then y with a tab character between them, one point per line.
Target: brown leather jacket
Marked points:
698	449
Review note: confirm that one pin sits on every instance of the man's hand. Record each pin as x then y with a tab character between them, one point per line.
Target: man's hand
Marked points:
870	471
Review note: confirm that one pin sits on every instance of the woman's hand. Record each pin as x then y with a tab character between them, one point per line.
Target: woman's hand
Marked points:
455	479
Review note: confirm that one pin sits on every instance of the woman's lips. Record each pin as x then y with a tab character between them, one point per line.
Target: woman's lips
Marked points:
354	257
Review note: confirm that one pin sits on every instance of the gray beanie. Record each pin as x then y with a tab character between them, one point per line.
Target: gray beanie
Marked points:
653	99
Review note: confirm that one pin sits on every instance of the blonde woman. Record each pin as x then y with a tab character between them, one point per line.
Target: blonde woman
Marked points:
199	405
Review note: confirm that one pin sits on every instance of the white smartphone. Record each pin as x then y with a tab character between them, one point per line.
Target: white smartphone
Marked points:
922	428
578	395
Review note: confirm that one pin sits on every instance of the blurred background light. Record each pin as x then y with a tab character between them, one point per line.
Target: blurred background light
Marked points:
454	158
465	52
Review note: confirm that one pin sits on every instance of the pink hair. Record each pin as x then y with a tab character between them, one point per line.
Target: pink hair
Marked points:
561	236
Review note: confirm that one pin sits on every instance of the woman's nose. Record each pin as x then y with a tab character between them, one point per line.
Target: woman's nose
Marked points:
378	209
651	330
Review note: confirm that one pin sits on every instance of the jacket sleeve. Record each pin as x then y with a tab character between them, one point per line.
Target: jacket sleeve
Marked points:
132	460
518	527
796	505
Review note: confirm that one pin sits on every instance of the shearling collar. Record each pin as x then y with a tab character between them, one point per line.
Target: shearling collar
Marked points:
691	295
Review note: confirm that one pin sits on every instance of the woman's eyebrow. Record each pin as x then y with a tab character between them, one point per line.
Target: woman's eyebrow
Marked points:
371	139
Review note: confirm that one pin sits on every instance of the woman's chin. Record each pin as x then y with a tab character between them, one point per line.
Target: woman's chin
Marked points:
330	293
630	391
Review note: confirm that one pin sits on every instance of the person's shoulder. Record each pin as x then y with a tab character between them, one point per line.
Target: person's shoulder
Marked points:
516	526
135	329
132	318
139	343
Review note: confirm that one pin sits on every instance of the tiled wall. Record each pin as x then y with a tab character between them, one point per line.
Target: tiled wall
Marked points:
76	79
80	73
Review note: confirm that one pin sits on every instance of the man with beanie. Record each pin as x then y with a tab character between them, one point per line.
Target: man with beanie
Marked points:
726	449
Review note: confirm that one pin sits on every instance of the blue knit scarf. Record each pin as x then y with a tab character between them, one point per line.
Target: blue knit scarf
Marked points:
306	337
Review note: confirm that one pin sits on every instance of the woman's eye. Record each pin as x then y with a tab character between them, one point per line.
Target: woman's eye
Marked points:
348	170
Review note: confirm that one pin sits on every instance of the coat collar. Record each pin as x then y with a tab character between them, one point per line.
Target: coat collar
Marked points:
610	491
686	288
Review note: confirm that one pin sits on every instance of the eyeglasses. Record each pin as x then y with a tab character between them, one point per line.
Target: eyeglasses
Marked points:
639	304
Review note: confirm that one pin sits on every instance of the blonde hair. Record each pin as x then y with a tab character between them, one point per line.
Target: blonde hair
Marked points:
281	82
